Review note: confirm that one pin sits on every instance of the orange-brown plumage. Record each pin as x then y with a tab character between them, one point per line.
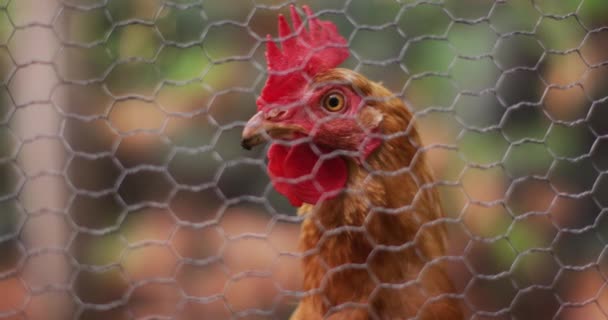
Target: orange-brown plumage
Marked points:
347	150
346	233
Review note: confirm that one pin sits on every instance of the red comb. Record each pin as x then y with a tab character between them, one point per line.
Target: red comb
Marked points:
304	54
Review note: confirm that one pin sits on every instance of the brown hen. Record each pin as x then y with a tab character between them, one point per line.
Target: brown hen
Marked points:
346	151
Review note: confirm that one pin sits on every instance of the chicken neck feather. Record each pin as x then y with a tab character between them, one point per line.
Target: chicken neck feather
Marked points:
375	249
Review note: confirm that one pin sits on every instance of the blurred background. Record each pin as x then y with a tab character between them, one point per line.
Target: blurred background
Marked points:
125	194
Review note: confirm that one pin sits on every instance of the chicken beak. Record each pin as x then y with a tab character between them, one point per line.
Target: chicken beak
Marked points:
258	129
253	133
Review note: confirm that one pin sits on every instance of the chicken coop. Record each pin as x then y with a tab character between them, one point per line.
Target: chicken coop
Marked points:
125	192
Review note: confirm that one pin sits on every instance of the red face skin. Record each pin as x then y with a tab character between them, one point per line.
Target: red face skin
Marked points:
291	110
307	164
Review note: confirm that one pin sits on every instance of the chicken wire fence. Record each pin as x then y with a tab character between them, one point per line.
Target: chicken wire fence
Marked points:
125	193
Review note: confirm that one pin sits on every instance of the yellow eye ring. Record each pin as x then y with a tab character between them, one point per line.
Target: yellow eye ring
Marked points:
333	102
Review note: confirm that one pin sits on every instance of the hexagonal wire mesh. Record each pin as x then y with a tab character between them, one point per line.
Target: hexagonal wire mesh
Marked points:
125	193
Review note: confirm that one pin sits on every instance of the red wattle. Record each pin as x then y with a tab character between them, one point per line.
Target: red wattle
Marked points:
298	162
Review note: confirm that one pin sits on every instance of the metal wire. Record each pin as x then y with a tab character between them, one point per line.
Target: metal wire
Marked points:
125	194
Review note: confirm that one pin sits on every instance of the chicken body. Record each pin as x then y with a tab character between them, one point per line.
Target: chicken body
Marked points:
346	150
372	251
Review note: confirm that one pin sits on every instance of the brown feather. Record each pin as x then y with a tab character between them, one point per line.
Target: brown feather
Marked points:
371	252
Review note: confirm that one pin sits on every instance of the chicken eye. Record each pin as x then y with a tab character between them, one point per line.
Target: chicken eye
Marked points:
333	102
